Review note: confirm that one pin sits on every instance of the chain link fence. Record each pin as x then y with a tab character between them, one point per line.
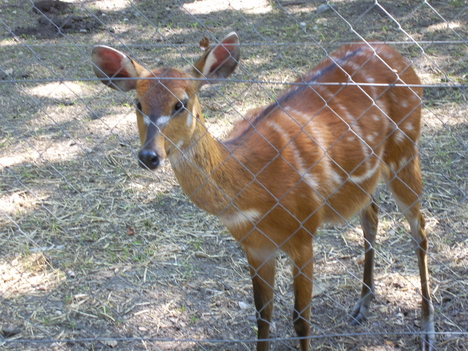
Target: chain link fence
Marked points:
98	253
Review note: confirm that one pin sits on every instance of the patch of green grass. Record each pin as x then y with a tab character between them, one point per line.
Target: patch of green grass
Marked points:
194	319
197	244
147	223
68	299
139	257
54	226
187	270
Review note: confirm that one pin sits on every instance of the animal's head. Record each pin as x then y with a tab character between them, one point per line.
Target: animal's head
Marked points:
167	105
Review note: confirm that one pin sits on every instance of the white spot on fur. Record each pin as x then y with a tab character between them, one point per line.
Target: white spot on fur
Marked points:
363	53
370	80
399	136
354	66
324	92
317	73
235	220
146	120
409	126
376	118
370	138
162	121
404	103
403	162
381	105
189	119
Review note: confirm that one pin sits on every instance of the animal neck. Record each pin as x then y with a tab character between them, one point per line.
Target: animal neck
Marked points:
204	168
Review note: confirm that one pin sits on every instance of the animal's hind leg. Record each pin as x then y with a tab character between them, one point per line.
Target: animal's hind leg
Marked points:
406	188
369	223
302	273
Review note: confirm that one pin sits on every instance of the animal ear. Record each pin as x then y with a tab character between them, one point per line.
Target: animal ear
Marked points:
219	61
111	64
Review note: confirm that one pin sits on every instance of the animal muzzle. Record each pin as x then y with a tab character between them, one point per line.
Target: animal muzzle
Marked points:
148	159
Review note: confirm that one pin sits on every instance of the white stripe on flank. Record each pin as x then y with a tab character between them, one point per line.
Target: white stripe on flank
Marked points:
356	130
285	138
367	175
333	175
330	173
234	220
298	163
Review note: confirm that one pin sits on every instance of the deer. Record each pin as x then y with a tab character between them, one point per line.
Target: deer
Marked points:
315	155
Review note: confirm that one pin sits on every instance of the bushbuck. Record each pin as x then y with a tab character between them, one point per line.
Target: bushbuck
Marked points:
314	155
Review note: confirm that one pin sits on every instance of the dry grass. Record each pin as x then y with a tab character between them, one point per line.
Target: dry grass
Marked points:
96	253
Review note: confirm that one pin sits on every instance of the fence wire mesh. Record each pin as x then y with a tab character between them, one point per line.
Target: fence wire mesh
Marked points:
98	253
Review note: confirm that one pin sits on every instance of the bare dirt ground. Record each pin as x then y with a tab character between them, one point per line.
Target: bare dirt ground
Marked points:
96	253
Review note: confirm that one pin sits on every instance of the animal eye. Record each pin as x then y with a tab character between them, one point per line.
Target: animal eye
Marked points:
179	106
138	106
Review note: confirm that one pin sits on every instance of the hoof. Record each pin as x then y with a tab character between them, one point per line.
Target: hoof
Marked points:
428	337
359	312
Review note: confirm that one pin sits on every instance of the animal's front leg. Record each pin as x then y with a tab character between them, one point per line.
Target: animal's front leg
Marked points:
262	270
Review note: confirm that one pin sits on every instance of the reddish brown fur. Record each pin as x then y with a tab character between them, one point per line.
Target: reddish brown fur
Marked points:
318	157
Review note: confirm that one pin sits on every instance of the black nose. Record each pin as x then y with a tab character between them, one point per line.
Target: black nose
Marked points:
148	159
